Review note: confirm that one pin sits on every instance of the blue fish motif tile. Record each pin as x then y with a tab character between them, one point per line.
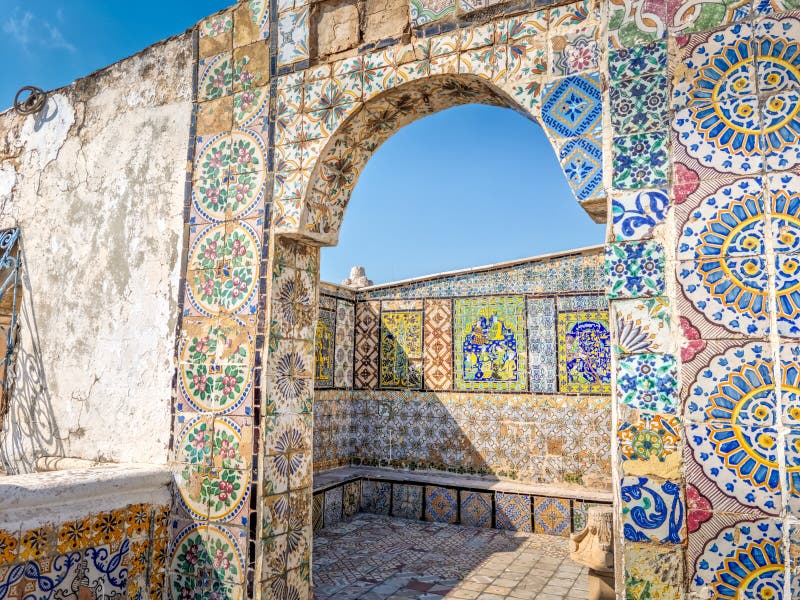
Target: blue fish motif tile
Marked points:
648	382
636	214
652	511
572	106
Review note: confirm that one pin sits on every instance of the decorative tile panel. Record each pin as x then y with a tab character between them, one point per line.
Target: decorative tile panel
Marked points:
324	349
441	505
345	329
401	349
652	510
584	352
366	345
407	501
552	516
438	334
542	353
640	161
513	512
490	343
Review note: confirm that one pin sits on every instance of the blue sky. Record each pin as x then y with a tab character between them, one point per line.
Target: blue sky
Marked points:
469	186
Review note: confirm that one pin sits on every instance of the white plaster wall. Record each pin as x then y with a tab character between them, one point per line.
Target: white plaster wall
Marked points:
96	183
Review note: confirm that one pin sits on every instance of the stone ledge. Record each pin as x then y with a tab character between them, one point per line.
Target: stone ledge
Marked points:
32	500
334	477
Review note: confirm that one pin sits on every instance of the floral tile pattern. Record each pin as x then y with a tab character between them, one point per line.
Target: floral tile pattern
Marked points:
643	326
634	270
640	161
542	345
648	382
639	105
407	501
293	29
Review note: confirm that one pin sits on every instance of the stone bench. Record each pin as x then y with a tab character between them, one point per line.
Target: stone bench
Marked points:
450	498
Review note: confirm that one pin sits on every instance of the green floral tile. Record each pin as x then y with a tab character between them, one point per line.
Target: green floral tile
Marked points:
640	161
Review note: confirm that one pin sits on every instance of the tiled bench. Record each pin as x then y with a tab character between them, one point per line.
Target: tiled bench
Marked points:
444	498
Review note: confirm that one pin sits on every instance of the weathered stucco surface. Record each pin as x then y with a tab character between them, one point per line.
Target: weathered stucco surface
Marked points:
96	183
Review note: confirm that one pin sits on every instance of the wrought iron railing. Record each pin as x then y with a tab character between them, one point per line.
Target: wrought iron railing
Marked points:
10	262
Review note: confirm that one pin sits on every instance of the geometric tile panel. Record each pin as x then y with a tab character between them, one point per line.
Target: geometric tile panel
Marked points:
513	512
407	501
582	161
375	497
366	345
572	106
441	505
438	339
542	344
552	516
476	509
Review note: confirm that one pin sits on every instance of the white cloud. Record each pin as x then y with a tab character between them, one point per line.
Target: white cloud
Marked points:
30	32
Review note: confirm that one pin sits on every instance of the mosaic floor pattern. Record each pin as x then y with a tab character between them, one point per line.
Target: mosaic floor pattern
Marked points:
376	558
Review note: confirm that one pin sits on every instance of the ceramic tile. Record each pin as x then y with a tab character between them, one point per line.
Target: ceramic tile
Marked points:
650	444
441	505
734	555
407	501
375	497
352	498
513	512
215	76
574	51
318	511
634	270
640	161
643	326
552	516
648	382
293	36
638	61
572	106
652	511
426	11
639	105
476	509
251	22
636	24
653	571
584	352
215	34
581	160
250	66
333	506
725	296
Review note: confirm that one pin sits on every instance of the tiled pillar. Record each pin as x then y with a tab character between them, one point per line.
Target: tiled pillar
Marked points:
286	528
703	108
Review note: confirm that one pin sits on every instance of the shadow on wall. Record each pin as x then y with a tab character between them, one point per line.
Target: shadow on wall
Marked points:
29	427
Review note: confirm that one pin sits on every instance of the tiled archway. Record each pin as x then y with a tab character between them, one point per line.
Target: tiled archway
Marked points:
695	156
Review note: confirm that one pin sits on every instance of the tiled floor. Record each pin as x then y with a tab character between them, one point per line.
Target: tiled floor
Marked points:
376	558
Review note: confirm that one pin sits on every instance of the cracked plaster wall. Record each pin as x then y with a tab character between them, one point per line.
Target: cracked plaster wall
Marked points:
96	182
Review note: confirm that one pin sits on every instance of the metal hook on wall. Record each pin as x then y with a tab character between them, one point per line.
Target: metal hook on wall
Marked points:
31	104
